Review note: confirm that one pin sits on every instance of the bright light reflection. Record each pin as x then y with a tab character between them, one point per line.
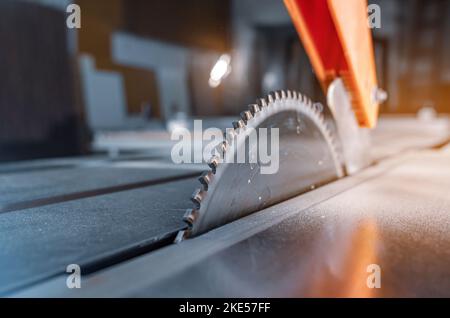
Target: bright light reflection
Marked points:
220	70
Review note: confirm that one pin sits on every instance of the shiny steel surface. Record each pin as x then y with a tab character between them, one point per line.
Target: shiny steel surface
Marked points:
307	159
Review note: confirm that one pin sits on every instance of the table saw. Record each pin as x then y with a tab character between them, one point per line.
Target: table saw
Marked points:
358	206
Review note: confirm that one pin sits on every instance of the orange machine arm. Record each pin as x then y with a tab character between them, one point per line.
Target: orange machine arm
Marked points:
338	41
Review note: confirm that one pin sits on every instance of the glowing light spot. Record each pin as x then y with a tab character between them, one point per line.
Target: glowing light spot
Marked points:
220	70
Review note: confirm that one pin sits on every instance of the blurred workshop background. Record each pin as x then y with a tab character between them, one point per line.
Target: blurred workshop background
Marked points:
145	66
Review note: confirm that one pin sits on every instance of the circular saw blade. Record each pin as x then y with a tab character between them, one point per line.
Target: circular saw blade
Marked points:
307	159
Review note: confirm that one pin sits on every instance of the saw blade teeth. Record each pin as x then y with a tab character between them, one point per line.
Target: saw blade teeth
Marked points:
181	236
230	136
271	98
197	197
254	109
318	107
262	103
278	95
190	216
205	179
222	148
289	94
214	163
246	116
238	124
225	145
305	100
273	103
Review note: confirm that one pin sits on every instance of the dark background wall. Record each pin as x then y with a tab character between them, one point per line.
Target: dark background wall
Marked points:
39	111
203	24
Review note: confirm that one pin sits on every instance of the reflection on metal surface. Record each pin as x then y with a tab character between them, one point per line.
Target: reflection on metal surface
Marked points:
305	256
330	260
341	270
